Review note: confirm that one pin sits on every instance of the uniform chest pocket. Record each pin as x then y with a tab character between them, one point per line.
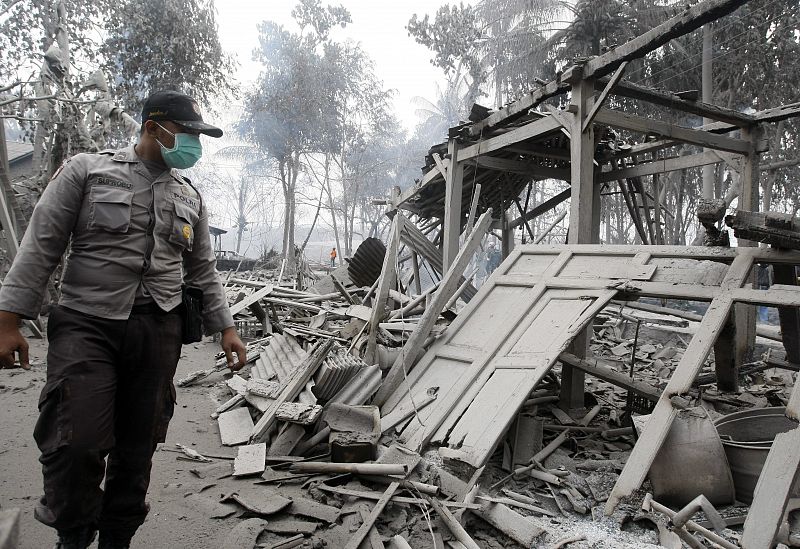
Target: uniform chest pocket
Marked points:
110	208
183	221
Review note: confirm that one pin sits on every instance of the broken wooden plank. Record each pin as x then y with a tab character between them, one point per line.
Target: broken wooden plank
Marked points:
449	284
776	483
295	383
373	540
453	525
249	300
250	460
362	532
291	526
235	426
520	528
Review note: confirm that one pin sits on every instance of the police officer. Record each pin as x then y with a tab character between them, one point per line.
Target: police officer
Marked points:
137	232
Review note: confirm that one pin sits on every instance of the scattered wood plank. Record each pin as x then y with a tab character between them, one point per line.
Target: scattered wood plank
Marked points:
453	525
291	526
362	532
517	527
373	540
255	297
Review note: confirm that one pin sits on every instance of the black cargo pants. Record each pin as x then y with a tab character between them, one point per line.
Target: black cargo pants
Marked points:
109	393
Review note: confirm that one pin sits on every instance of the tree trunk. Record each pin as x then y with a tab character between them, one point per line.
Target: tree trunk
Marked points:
329	190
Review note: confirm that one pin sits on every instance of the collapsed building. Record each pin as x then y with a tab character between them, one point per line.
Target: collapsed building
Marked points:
402	385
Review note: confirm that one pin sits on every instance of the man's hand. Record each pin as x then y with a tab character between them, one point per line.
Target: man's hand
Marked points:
11	341
230	344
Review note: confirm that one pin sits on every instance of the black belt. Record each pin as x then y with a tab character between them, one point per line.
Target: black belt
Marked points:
150	308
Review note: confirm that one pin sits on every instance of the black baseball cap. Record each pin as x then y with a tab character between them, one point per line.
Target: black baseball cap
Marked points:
177	107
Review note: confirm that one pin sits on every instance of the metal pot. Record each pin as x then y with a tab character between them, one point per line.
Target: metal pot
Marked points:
747	438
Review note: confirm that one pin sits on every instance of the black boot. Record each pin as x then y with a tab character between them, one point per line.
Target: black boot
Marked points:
114	539
76	538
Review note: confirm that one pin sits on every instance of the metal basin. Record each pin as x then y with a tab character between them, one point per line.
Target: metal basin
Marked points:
747	438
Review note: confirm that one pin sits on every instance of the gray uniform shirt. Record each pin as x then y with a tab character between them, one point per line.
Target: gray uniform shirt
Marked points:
127	230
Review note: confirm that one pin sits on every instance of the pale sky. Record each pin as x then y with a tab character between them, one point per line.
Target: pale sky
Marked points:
379	25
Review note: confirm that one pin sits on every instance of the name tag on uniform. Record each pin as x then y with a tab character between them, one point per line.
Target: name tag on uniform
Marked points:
107	181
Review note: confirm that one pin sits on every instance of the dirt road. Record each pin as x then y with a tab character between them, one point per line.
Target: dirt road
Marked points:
171	523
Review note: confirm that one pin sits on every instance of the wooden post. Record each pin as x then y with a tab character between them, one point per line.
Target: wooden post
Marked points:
454	183
789	316
508	235
582	228
749	199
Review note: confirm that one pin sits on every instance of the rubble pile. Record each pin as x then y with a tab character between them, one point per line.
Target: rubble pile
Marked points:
321	460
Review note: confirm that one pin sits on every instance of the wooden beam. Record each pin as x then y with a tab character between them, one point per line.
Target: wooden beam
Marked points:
690	19
546	206
679	133
602	370
522	167
440	165
454	185
661	165
450	282
603	95
673	101
519	107
537	128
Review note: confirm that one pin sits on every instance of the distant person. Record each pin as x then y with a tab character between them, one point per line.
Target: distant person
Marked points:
137	232
333	257
493	258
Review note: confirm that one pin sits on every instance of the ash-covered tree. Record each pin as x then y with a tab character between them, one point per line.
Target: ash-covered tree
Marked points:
50	46
316	105
166	44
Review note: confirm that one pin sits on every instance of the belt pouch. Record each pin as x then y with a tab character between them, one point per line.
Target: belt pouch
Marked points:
192	317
